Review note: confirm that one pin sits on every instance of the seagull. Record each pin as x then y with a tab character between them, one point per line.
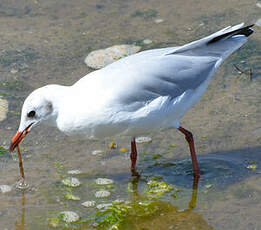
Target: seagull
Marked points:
136	95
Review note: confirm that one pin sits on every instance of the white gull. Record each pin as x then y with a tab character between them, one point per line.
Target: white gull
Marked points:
145	92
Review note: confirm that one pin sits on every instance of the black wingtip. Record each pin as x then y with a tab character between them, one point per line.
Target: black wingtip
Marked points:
247	31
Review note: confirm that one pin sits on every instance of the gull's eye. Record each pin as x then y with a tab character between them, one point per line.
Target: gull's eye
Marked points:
31	114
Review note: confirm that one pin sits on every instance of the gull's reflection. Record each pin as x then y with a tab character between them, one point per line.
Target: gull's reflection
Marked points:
20	225
193	201
169	216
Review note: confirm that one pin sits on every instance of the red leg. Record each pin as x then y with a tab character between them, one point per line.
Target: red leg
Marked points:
190	140
133	157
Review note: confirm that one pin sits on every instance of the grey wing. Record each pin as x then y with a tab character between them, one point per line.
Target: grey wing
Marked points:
152	77
172	71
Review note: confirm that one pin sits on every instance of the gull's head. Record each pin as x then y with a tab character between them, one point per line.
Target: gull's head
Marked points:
37	108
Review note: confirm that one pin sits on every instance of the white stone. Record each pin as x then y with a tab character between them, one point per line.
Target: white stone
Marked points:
208	186
102	206
104	181
70	196
69	216
258	22
89	203
74	172
258	4
14	71
71	182
100	58
118	201
97	152
5	188
102	194
3	108
142	140
159	20
147	41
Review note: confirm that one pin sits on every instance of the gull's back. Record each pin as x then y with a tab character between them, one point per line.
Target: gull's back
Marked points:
166	82
172	71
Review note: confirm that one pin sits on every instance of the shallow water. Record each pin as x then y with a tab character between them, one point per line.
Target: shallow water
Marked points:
45	42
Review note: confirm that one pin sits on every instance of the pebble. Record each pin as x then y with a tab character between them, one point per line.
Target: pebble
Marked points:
97	152
208	186
258	22
102	206
102	194
89	203
118	201
104	181
71	182
159	20
3	108
14	71
147	41
74	172
100	58
69	216
123	150
252	166
142	140
70	196
5	188
258	4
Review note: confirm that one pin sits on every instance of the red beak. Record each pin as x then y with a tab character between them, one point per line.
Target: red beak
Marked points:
18	137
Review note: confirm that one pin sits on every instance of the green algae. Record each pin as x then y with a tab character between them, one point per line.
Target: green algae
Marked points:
70	196
156	156
171	146
114	216
3	150
146	14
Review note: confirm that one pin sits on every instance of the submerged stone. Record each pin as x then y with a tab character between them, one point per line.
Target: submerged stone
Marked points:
258	22
147	41
208	186
70	196
104	181
74	172
100	58
71	182
97	152
159	20
102	194
3	108
103	206
89	203
69	216
252	167
13	71
5	188
142	140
